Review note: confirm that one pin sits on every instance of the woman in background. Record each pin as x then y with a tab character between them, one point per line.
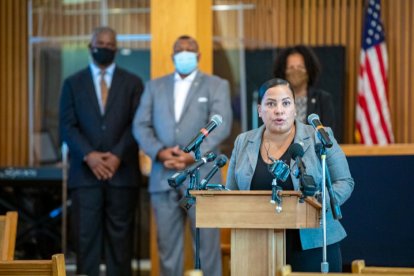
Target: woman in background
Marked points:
300	66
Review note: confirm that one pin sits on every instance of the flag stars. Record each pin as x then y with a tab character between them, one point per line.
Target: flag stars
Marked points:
373	29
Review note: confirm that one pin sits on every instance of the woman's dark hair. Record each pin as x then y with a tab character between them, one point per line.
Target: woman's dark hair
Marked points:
272	83
312	64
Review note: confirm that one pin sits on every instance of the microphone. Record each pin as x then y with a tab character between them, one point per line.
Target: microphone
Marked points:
218	163
313	120
308	186
179	177
279	169
296	152
215	121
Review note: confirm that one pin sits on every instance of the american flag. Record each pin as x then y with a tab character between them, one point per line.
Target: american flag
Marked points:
373	120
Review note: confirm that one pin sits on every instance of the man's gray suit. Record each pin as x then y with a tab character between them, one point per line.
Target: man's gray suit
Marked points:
243	163
155	128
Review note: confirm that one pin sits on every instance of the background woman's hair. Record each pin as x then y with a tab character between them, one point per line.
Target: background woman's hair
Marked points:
312	64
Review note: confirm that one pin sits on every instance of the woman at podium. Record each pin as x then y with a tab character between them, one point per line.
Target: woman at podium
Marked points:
255	152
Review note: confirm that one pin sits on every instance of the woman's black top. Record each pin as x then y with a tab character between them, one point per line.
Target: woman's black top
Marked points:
262	178
299	259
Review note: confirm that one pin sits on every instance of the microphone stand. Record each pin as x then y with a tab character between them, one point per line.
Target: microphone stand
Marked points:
280	171
65	167
324	264
336	211
276	198
196	177
189	201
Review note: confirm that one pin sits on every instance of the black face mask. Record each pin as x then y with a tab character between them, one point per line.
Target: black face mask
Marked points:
103	56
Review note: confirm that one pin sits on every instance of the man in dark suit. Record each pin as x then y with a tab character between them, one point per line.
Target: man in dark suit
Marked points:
97	107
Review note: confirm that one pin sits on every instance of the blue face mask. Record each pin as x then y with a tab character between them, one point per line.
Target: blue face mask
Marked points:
185	62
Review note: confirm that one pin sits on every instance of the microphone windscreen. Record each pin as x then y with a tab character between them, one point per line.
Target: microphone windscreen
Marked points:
217	119
221	160
296	150
313	117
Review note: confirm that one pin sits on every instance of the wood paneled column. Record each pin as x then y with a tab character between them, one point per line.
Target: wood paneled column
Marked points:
13	83
169	20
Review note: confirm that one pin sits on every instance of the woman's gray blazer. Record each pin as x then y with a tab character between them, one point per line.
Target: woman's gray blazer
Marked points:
243	163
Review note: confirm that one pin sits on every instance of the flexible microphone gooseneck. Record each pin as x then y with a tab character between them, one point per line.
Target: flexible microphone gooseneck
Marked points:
178	178
215	121
220	161
308	186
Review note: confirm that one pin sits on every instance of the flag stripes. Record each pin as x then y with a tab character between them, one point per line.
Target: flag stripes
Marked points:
372	111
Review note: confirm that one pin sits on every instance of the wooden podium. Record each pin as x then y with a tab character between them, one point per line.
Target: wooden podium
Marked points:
257	230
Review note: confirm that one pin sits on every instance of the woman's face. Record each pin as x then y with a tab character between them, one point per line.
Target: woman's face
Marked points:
277	109
296	72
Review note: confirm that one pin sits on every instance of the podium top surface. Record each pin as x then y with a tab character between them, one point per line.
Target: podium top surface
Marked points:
311	200
253	210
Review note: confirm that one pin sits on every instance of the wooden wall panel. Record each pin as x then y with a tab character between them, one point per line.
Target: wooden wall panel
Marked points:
55	19
280	23
2	81
13	83
399	24
272	23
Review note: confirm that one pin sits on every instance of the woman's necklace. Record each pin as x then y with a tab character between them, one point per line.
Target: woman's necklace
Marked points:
270	150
